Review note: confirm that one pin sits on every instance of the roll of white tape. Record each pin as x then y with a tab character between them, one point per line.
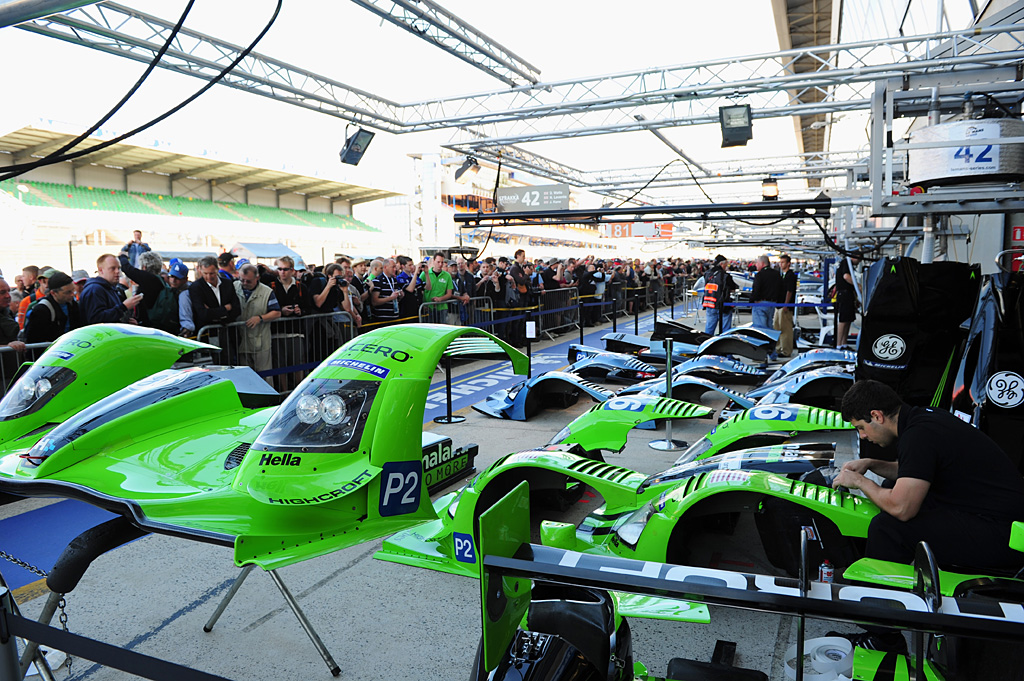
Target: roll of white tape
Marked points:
830	657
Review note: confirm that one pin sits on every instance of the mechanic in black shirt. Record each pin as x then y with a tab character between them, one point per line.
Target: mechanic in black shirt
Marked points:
846	297
954	487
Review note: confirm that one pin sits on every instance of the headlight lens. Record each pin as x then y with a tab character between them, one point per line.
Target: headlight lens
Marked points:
333	410
34	389
629	531
307	409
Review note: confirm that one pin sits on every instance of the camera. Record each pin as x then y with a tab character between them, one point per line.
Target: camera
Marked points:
338	279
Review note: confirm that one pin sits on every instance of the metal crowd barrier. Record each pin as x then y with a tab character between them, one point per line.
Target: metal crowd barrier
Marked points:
558	310
297	344
477	312
11	361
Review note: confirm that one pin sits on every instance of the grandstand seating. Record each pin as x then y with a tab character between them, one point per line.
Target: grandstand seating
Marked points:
91	198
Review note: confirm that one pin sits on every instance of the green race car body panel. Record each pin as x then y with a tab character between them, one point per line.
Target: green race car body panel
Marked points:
606	425
639	518
87	352
197	453
765	425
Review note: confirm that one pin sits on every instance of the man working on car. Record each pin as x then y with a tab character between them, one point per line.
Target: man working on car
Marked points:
954	487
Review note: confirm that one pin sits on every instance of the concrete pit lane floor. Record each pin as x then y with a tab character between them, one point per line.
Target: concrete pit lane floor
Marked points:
379	620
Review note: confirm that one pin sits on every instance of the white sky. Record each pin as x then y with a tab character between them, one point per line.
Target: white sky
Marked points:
50	79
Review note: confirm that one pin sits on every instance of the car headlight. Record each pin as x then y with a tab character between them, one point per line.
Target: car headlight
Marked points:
333	410
629	531
34	389
307	409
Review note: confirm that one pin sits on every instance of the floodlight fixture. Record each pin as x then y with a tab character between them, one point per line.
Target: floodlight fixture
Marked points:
737	128
355	145
769	189
470	166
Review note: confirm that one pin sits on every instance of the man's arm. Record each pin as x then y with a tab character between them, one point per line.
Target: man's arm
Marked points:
185	312
902	501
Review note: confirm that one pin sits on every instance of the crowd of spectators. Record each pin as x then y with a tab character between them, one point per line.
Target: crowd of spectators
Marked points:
325	305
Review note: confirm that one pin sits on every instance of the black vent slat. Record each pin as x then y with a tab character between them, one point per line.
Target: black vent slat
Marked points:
234	459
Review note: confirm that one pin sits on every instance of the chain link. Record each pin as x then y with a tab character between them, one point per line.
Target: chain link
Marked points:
63	618
22	564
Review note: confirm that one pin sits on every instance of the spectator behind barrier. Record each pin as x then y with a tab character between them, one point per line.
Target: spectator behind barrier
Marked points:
213	299
134	248
55	314
101	302
259	305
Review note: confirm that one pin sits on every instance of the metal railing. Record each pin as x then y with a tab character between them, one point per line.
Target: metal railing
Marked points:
11	360
288	349
558	310
477	312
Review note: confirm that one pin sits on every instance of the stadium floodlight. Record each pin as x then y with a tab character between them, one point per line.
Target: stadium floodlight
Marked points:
737	129
471	166
769	189
355	145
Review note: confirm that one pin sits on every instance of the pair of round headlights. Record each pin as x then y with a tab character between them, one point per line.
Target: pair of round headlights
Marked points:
330	408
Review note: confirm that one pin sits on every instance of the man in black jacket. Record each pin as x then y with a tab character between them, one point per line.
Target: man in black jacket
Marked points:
718	288
767	289
214	300
55	314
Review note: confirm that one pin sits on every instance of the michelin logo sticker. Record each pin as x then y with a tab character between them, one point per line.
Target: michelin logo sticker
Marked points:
378	371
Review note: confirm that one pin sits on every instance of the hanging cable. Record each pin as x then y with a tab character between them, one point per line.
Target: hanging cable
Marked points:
861	252
494	200
14	171
57	156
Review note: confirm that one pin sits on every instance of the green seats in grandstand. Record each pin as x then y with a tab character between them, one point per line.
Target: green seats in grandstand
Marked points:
192	207
96	198
27	198
267	214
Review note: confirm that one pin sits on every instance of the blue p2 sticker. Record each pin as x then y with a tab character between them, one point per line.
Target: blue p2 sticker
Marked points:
463	544
400	483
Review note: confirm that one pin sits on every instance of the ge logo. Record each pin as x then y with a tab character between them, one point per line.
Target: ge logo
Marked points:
624	404
1005	389
772	413
889	346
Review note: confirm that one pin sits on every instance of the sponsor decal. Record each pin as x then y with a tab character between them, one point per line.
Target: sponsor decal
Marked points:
60	354
623	404
1005	389
463	545
772	413
728	476
348	487
373	369
374	349
889	347
400	483
284	460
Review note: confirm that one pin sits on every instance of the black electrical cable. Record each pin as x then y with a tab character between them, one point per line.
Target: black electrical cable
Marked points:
860	253
494	199
216	79
625	201
57	156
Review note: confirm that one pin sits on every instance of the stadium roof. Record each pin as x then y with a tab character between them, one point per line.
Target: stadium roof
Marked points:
29	142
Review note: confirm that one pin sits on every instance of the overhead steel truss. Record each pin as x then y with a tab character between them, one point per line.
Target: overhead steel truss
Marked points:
440	27
669	96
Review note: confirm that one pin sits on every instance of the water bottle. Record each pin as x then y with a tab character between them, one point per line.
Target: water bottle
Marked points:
826	573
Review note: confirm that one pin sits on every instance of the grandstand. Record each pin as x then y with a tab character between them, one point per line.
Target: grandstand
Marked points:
69	213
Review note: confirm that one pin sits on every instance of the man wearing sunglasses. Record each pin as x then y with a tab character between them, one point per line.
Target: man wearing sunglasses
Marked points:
291	293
